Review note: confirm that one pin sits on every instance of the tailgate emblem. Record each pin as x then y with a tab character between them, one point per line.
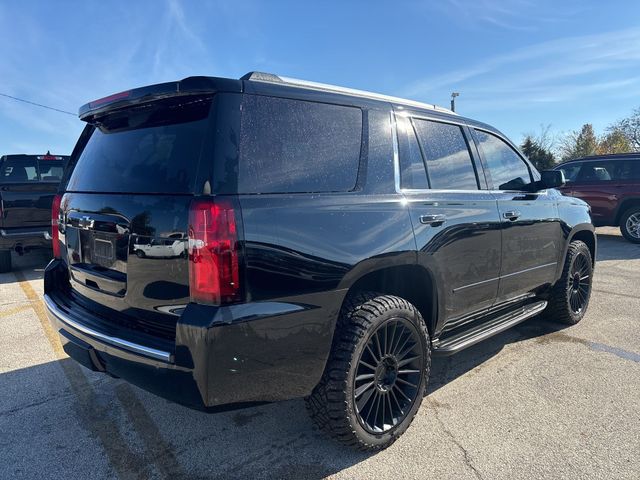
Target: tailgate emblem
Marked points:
86	222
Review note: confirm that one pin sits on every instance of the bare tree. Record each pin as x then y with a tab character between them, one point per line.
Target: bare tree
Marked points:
630	128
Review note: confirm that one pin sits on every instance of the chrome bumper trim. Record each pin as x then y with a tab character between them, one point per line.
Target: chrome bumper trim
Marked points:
114	341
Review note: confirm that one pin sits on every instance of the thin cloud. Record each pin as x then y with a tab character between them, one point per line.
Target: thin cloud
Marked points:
570	62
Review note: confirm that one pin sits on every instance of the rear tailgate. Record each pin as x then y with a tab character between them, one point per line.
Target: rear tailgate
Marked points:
130	191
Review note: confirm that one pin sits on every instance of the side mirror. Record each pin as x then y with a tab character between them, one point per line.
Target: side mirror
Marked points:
552	179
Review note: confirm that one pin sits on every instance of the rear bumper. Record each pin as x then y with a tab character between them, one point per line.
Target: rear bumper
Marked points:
38	237
222	358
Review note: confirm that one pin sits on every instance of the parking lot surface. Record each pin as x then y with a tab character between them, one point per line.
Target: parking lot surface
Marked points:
538	401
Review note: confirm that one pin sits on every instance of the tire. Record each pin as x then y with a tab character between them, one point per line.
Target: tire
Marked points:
570	295
5	261
140	254
630	224
397	383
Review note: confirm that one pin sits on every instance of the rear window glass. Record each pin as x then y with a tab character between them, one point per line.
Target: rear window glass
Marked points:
291	146
29	169
152	148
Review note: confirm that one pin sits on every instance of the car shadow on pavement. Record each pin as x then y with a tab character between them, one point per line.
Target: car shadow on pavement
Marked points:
616	247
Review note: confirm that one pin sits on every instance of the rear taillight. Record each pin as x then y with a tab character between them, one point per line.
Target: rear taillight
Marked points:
214	276
55	225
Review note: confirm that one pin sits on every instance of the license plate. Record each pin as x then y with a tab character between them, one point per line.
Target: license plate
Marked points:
102	251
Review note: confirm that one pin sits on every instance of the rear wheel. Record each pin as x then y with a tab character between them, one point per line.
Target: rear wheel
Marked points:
630	224
5	261
569	297
377	373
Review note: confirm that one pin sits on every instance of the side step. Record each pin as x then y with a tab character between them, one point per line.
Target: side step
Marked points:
462	340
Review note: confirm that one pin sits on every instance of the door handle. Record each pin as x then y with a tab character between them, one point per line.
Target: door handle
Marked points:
434	220
511	215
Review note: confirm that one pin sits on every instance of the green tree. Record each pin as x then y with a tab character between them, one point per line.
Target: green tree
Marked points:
614	142
630	128
540	156
579	144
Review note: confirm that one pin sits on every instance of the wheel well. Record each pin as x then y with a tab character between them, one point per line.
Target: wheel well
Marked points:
589	238
626	205
411	282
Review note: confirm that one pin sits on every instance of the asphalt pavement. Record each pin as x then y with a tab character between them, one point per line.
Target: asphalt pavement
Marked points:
538	401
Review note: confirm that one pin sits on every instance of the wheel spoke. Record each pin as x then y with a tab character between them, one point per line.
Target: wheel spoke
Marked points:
407	372
378	344
400	356
373	355
395	387
393	337
388	399
392	393
360	390
364	399
384	407
362	362
406	361
400	380
399	349
365	376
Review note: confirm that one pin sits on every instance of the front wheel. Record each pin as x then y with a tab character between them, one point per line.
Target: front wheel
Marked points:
377	373
570	295
630	224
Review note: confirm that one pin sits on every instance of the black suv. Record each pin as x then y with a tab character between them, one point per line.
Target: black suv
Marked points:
28	184
335	240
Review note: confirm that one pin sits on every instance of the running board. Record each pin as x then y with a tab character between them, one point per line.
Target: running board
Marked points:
455	343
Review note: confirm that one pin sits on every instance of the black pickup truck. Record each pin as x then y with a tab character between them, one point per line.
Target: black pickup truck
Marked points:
28	184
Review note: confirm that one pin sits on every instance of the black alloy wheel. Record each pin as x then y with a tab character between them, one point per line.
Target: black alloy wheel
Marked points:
387	378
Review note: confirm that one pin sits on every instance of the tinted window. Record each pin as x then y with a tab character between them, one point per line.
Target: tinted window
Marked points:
153	148
571	171
449	164
412	172
606	170
29	169
50	171
19	170
297	146
507	170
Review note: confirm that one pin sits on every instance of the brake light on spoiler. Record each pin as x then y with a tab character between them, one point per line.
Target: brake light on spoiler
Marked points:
49	157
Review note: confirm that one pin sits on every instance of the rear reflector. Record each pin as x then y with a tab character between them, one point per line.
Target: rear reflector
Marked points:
214	276
55	225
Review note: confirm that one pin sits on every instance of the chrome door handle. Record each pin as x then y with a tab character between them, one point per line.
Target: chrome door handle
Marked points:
511	215
435	220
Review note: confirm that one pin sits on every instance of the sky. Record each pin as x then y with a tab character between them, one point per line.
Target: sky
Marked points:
519	65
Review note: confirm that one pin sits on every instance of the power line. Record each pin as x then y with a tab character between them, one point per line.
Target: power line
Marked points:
36	104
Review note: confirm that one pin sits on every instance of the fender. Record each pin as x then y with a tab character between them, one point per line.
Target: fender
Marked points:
576	230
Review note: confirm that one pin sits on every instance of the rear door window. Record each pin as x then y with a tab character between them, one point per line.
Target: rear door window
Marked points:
412	172
507	169
446	153
151	148
571	171
293	146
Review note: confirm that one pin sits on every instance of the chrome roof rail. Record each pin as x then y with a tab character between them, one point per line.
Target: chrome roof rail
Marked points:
294	82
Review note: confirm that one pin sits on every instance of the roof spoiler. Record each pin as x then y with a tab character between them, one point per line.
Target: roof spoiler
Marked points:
187	86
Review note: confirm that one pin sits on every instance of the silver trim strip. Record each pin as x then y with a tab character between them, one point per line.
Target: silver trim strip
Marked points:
554	264
296	82
113	341
396	156
44	233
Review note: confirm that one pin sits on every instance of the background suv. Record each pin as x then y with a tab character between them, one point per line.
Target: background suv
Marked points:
610	184
335	240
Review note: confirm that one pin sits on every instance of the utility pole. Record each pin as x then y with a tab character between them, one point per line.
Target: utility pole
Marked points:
453	100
